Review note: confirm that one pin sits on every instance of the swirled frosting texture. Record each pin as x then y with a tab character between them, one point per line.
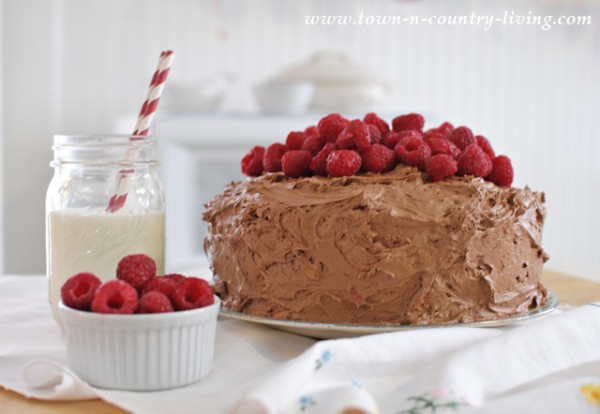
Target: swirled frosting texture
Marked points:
377	248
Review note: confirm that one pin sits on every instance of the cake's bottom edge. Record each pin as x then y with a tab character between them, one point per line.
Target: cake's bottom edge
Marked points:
413	317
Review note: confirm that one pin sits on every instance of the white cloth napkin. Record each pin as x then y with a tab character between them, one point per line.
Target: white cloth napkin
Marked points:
546	365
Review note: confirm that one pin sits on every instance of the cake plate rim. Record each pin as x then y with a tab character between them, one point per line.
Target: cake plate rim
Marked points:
319	330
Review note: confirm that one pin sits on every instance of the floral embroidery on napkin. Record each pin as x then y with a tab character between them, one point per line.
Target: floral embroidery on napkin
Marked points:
439	398
591	392
325	358
306	401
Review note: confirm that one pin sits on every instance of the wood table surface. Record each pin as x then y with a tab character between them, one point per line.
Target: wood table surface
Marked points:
571	291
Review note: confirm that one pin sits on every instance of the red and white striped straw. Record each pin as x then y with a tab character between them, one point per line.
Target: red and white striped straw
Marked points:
144	120
154	91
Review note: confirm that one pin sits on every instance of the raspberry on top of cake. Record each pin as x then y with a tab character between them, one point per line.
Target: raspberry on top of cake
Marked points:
338	147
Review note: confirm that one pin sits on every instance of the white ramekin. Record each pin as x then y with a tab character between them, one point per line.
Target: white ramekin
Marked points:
141	352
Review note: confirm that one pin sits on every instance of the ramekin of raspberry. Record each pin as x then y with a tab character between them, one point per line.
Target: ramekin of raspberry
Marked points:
140	332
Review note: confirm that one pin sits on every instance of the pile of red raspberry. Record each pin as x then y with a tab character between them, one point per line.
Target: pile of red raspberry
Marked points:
338	147
137	289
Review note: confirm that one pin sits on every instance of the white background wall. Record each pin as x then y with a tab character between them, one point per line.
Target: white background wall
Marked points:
74	66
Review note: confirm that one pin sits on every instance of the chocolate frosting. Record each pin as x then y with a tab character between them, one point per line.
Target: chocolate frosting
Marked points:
377	248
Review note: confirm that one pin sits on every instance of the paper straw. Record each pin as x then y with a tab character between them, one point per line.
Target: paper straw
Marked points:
144	120
154	91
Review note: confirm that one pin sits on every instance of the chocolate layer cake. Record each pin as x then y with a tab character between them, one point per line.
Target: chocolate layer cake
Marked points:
387	248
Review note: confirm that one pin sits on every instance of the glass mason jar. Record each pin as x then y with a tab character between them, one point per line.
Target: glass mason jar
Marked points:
104	202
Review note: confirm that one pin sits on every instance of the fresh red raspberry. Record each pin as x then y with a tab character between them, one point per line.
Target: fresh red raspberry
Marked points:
272	157
318	165
376	136
311	130
177	277
355	136
294	140
433	133
313	144
252	163
442	146
79	290
378	158
485	145
296	163
137	270
413	151
330	127
154	302
440	166
372	119
408	122
192	293
445	129
115	296
473	161
462	137
502	171
342	163
163	284
391	139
